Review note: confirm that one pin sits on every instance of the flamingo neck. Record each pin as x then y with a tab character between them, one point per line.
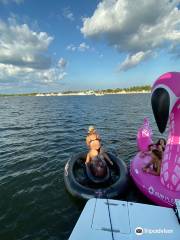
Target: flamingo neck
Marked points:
170	170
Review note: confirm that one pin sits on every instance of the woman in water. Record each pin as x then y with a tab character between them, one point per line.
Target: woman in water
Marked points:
161	144
148	152
154	166
93	141
96	161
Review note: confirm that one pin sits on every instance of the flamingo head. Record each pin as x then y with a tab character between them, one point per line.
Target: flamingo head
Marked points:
165	93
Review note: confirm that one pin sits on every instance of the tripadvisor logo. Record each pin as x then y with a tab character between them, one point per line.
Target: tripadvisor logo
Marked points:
139	231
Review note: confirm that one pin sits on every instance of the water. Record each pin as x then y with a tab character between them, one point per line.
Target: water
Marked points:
37	137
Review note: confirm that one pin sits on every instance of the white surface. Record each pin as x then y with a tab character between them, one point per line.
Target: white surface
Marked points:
94	223
118	213
177	202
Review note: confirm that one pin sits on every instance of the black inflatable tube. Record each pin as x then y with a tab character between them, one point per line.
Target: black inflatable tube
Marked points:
80	191
94	178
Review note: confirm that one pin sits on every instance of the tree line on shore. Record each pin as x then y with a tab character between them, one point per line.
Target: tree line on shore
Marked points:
116	90
104	91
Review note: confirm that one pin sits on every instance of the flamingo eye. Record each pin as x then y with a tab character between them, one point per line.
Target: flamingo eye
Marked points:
160	101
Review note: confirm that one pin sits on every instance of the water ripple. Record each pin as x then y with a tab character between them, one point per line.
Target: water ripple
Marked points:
38	135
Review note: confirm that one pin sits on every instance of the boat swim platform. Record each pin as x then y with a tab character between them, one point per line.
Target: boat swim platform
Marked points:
106	219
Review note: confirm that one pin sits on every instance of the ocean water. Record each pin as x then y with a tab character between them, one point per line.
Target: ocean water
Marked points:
37	137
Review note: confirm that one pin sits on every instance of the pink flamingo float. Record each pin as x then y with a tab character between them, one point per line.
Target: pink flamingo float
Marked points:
165	100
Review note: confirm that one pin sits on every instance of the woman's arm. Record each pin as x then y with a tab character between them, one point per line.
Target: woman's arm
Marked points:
87	159
159	169
156	173
87	141
98	136
147	153
106	157
148	164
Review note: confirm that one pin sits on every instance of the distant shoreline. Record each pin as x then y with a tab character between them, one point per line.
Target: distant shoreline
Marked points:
70	94
84	94
131	90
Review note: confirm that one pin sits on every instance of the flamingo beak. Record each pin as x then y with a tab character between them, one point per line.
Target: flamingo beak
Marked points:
160	101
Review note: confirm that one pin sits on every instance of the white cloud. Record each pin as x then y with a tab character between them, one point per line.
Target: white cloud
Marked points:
24	56
82	47
21	46
133	60
62	63
13	74
51	75
71	47
62	75
134	26
67	13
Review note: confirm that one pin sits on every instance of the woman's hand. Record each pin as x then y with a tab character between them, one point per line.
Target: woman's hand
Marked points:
111	163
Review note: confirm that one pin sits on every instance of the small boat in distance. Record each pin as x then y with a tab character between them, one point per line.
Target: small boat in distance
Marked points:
99	94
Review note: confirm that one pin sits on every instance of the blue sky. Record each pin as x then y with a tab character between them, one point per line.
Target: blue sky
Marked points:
72	45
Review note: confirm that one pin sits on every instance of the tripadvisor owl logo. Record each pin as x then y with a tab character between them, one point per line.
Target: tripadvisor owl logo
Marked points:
139	231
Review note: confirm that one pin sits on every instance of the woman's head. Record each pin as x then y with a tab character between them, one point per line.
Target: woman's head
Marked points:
156	154
91	129
161	142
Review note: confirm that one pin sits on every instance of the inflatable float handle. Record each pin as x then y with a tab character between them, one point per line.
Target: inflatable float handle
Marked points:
144	136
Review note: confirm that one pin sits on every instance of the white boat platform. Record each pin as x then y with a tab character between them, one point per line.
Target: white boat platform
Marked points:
104	219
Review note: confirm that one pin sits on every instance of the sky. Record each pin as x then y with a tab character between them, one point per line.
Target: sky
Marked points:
62	45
